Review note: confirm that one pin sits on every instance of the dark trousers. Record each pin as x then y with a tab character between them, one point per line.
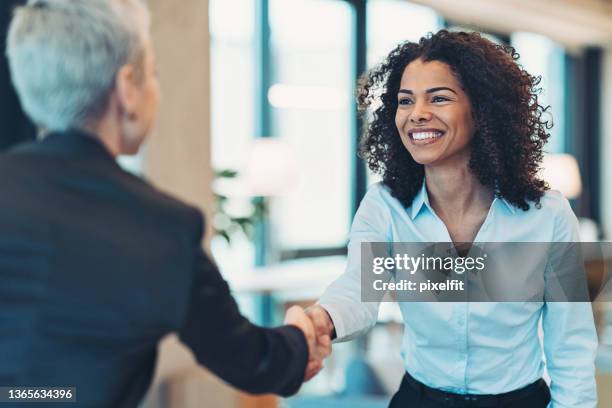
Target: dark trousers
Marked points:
413	394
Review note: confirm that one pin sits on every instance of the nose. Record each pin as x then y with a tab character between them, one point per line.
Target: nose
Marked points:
420	113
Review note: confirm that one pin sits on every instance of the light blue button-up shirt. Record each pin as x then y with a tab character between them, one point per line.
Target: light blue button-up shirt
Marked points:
475	348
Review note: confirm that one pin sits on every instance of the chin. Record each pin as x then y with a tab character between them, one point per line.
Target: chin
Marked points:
131	151
425	159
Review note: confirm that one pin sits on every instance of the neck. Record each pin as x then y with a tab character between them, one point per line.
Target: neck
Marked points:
456	190
107	132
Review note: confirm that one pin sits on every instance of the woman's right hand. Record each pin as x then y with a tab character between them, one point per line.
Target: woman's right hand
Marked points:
324	333
321	321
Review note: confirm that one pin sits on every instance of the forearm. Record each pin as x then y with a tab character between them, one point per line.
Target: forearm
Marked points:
249	357
570	344
348	315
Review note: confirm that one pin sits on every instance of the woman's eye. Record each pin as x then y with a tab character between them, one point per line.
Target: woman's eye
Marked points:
405	102
439	99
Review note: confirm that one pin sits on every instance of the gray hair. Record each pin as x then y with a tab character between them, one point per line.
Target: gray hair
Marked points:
64	56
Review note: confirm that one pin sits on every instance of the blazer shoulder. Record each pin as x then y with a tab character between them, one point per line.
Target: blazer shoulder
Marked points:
102	175
184	213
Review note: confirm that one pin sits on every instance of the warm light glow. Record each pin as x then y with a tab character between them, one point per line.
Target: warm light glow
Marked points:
271	168
562	174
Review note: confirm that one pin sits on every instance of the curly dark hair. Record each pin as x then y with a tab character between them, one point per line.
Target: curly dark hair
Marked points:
506	150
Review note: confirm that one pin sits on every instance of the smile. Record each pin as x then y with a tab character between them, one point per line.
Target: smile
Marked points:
425	136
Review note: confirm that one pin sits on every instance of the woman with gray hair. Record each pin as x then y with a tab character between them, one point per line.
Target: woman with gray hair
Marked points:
86	65
96	266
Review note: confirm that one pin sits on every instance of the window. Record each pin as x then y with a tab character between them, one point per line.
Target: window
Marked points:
233	101
311	98
390	22
540	56
233	81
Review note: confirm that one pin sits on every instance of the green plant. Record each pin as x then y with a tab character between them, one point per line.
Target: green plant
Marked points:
226	224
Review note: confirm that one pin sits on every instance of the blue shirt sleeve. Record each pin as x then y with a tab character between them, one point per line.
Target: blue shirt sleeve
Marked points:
342	299
570	338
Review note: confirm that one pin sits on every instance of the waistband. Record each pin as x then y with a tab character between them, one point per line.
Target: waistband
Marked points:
472	400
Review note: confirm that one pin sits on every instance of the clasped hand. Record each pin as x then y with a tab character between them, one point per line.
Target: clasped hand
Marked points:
317	328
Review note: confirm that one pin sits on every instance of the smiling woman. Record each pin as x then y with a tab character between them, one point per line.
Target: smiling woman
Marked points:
456	132
485	88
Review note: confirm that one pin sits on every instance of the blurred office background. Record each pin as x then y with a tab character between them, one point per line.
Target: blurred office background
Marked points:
259	129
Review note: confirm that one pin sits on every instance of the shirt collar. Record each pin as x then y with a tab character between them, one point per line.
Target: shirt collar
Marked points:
422	199
419	201
509	206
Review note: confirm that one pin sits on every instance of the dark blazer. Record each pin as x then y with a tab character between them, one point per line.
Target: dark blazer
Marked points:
96	266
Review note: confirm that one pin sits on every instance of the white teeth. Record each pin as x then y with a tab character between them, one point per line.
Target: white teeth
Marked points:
425	135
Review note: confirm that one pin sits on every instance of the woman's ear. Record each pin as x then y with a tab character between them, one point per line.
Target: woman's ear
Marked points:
126	86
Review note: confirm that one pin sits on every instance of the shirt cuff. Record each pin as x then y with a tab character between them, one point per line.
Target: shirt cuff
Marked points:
335	313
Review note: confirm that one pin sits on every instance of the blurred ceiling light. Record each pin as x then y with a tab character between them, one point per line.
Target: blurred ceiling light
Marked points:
562	173
307	97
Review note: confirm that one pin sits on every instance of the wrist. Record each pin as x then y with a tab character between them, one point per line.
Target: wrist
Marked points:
329	323
332	328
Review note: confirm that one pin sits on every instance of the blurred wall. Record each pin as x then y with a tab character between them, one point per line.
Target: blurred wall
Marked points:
177	155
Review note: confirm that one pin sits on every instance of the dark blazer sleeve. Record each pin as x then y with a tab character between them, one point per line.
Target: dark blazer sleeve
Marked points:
251	358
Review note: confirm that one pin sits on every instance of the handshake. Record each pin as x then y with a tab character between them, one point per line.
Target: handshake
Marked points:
318	327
